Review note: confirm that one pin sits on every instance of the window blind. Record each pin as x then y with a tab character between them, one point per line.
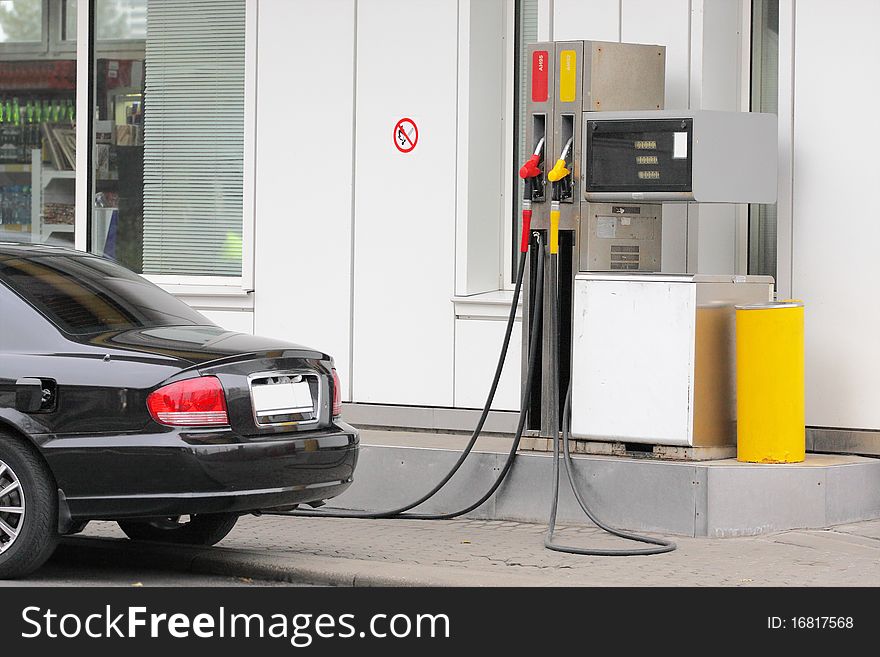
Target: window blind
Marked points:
193	137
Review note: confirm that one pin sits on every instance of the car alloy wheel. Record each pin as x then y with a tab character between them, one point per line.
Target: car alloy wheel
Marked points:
12	507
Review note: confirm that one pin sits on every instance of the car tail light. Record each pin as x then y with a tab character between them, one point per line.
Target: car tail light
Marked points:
337	394
189	403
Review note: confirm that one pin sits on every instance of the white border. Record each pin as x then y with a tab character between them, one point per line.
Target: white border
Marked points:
741	239
785	112
509	191
248	181
82	125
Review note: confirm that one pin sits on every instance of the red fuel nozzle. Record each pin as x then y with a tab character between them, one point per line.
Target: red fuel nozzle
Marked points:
531	169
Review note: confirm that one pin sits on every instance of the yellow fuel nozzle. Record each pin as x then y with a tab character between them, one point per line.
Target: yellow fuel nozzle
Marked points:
559	171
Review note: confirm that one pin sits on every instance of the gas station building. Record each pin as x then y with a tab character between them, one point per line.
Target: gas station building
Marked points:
350	180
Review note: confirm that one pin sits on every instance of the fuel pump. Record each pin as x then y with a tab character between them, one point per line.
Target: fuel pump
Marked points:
610	163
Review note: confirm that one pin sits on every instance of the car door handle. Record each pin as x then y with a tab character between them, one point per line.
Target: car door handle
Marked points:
35	395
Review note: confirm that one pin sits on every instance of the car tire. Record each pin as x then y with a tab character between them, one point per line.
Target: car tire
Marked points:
202	529
32	490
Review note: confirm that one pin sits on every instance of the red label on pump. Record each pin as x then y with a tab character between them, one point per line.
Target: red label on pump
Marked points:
540	63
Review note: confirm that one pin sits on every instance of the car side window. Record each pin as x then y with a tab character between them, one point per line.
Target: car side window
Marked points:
21	327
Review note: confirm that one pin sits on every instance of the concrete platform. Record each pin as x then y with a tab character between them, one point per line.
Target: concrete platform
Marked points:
708	498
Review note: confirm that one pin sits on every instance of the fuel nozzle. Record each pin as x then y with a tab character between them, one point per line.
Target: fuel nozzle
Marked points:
560	177
559	170
530	172
532	167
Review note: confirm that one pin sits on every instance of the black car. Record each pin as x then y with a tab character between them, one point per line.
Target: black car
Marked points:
118	401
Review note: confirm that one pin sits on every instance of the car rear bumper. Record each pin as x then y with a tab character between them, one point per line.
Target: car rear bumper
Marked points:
186	471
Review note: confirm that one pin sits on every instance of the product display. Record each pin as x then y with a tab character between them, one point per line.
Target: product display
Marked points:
58	213
15	204
21	121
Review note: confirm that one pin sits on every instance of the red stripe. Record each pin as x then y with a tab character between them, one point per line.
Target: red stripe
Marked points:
540	80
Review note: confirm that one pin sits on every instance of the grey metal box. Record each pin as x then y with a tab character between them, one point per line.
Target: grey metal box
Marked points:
540	94
620	237
697	155
569	72
623	76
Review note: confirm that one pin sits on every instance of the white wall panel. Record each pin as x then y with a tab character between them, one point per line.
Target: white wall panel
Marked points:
596	20
404	241
667	24
835	266
477	347
715	85
303	174
481	127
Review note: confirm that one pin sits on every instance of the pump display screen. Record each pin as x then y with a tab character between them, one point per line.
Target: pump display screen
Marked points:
638	156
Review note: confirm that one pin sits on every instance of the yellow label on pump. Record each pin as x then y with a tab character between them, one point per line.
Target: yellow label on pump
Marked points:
567	76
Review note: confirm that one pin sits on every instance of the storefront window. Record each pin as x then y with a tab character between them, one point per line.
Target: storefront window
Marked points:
21	21
37	128
168	138
765	96
115	20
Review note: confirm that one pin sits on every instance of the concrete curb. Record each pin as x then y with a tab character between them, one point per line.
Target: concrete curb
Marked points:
263	565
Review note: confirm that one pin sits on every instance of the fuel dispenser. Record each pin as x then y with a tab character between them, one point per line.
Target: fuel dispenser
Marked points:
602	156
567	81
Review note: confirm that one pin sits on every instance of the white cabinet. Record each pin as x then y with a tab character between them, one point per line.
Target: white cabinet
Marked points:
653	359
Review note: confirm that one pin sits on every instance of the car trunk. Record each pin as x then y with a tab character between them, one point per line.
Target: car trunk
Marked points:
271	386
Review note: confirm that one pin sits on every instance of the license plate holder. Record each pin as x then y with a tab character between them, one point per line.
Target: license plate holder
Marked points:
284	399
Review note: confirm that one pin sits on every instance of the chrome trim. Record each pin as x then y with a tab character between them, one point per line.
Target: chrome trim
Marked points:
220	493
770	305
317	403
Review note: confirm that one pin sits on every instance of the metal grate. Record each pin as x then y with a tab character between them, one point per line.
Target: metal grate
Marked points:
624	257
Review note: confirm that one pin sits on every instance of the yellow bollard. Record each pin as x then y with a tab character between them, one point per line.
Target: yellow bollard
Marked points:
770	382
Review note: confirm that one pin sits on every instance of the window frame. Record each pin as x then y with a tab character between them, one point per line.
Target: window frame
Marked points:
23	50
86	48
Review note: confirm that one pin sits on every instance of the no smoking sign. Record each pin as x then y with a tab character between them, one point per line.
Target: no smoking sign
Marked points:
406	135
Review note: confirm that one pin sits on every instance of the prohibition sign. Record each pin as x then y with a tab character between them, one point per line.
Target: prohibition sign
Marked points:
406	135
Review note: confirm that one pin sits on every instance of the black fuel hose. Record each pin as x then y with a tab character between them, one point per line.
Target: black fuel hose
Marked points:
661	545
401	512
